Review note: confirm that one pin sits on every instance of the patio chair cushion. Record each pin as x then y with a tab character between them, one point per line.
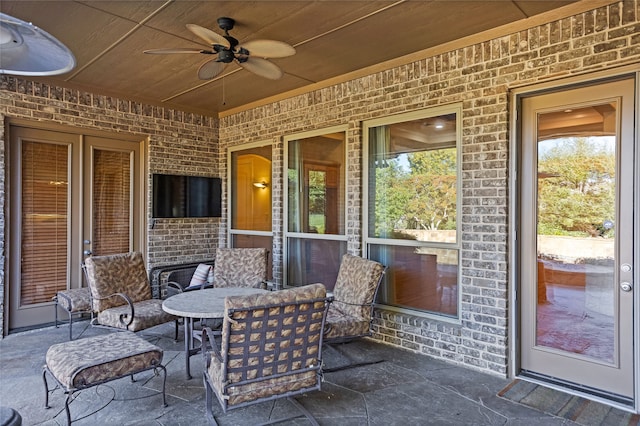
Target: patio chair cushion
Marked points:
350	312
265	388
87	362
240	267
202	275
340	325
148	313
115	273
247	361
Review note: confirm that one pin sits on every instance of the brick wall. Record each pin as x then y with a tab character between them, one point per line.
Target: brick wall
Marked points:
479	77
178	143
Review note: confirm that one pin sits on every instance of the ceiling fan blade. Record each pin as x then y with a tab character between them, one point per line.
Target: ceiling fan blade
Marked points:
211	37
269	48
262	67
210	69
175	50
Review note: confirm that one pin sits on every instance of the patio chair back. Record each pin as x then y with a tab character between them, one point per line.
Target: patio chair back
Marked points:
240	267
117	273
271	347
351	311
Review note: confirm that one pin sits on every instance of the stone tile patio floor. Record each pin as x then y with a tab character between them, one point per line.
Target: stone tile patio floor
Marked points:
405	389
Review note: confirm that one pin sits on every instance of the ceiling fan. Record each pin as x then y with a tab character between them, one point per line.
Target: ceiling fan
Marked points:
250	55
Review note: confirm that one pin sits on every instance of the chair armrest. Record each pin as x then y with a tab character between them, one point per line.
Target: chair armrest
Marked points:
333	300
199	287
124	316
174	288
209	346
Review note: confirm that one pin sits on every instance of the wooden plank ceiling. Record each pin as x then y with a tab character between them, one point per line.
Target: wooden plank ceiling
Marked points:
332	38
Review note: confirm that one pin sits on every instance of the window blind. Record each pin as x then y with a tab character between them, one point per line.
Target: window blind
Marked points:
45	227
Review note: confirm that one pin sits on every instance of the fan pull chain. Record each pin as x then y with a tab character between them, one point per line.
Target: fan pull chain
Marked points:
224	102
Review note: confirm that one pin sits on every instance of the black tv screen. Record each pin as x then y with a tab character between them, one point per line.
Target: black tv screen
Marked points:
186	196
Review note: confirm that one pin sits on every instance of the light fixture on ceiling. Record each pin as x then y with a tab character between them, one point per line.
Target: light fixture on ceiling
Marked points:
262	184
28	50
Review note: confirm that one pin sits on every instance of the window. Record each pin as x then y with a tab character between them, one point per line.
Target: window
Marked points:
250	213
315	184
411	220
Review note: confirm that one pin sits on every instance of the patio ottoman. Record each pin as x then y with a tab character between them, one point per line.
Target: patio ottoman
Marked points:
75	301
83	363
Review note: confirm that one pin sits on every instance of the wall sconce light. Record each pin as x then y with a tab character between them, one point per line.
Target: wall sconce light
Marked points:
262	184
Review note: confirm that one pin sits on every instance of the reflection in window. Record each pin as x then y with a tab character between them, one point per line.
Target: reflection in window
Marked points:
251	209
314	261
412	210
316	185
576	235
419	278
251	189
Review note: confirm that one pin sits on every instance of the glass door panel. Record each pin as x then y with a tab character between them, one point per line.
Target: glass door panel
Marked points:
576	239
111	202
45	221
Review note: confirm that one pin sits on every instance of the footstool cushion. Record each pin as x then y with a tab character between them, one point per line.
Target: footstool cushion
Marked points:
83	363
74	299
80	364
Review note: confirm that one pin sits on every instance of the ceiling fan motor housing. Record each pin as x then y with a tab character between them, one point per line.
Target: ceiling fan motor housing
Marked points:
226	56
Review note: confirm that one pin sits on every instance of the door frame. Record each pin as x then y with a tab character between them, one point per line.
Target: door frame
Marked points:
143	190
516	94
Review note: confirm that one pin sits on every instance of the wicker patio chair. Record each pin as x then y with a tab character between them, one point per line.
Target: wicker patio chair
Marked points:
241	267
350	314
270	348
121	294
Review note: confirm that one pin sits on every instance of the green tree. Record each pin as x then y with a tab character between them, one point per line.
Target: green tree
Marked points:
576	186
433	177
391	197
421	194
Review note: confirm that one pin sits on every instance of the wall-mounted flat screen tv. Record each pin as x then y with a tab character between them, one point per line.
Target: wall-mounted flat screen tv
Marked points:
186	196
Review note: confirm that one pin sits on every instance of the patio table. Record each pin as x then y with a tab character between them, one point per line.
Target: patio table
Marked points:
201	304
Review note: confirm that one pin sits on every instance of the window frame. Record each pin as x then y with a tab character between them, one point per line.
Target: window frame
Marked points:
286	234
369	241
